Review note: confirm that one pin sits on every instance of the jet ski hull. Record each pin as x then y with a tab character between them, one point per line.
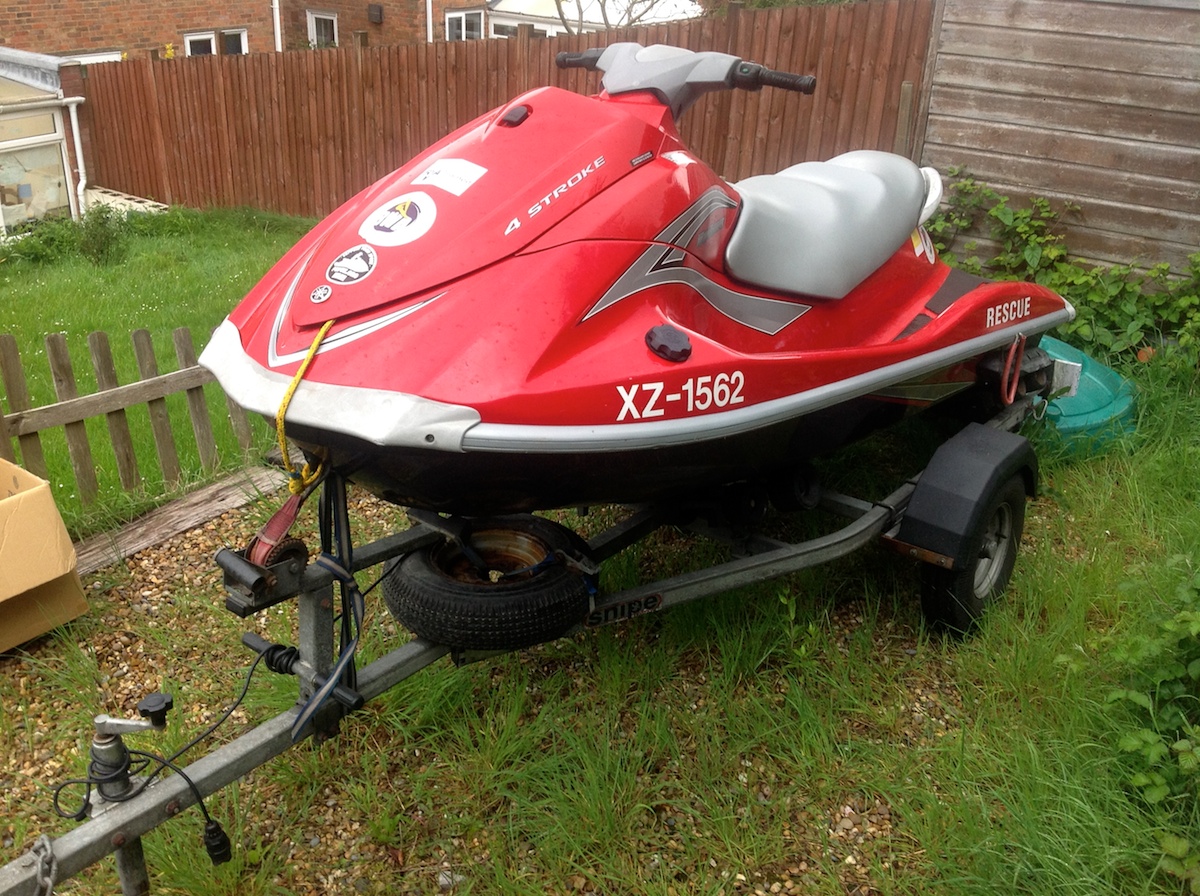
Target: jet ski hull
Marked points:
555	306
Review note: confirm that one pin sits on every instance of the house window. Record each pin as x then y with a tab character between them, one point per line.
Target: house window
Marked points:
33	167
233	43
464	25
200	44
322	29
504	30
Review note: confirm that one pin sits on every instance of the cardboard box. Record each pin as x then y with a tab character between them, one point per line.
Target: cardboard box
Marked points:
39	587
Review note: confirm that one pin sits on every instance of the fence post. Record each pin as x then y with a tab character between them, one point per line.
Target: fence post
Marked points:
160	421
904	120
118	423
18	400
77	440
185	352
6	449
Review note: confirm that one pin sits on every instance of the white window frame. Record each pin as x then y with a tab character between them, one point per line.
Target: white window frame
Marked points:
95	58
313	15
461	16
210	36
58	138
542	28
240	33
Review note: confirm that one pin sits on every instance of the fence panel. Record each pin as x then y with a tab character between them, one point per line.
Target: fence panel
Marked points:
25	423
1084	102
303	131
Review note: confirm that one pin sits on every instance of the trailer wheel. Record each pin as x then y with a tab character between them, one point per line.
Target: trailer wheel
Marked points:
955	599
527	594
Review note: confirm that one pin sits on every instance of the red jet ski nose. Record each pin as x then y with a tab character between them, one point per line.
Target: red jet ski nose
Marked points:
488	192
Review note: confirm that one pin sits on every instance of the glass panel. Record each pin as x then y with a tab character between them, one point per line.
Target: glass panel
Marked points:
325	31
36	124
201	45
233	43
474	23
454	28
32	184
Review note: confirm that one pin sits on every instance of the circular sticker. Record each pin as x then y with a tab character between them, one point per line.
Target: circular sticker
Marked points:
320	294
352	265
399	221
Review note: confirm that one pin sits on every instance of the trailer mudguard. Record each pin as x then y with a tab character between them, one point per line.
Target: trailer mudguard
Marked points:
953	491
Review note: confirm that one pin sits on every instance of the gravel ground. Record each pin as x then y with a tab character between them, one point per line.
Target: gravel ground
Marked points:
153	625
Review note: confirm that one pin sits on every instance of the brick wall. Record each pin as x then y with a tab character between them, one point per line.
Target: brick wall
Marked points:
63	27
402	21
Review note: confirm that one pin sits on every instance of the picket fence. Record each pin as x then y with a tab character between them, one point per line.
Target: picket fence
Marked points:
23	424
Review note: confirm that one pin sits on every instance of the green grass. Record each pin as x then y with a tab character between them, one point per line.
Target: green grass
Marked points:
715	748
182	269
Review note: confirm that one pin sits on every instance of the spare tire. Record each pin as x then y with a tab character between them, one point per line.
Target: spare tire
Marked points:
526	593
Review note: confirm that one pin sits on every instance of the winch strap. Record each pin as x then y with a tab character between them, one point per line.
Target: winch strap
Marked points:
274	530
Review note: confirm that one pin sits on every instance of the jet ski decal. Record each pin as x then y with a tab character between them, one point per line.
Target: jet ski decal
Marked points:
333	340
352	265
452	175
400	221
956	285
661	265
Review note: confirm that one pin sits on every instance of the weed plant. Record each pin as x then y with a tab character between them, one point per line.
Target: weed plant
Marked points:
1119	308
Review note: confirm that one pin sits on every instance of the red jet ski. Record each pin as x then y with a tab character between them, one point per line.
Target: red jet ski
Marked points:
560	305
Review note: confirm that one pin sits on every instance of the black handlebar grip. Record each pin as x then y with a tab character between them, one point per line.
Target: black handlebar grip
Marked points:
787	81
585	59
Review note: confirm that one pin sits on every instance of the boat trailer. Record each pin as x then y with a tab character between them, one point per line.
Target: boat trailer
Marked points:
127	805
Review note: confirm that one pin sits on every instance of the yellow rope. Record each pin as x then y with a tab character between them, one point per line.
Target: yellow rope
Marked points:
298	480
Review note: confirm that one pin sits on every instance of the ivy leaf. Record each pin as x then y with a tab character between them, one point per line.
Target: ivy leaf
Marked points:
1033	254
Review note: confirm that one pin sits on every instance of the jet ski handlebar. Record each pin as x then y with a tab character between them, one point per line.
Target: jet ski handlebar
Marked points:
585	59
678	77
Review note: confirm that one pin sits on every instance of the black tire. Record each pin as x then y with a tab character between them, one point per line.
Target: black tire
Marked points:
955	599
437	594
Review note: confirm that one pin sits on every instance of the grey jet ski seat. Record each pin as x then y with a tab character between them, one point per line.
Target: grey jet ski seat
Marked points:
820	228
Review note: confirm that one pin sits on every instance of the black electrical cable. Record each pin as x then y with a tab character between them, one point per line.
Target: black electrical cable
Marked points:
224	716
167	763
145	762
276	658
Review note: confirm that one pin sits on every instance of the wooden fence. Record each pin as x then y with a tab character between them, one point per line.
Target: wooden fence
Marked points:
24	423
301	132
1086	101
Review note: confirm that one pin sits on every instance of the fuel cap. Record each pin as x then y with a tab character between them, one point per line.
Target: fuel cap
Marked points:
669	343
